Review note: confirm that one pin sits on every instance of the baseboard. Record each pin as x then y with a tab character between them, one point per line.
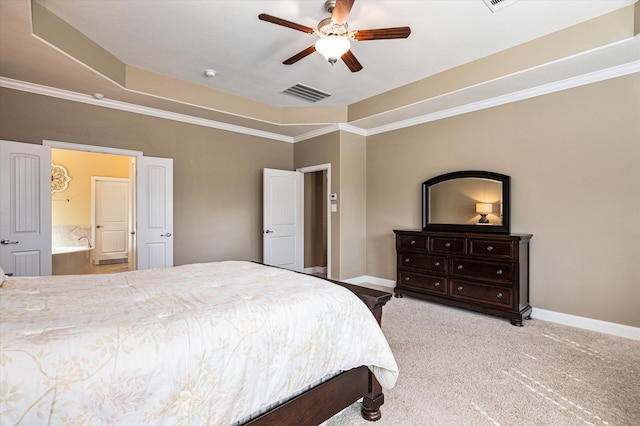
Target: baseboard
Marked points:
612	328
591	324
372	280
315	270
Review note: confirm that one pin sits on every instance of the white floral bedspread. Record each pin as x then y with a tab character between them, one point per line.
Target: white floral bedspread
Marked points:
191	345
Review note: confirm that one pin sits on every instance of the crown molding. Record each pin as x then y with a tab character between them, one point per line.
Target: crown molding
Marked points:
589	78
137	109
545	89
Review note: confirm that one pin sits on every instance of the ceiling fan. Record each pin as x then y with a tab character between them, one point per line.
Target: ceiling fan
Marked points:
335	38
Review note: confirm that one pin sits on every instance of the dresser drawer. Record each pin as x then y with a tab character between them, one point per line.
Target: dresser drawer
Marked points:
448	245
423	282
483	293
412	242
501	272
425	262
489	248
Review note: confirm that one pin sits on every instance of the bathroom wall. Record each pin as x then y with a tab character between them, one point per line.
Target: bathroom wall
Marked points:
71	209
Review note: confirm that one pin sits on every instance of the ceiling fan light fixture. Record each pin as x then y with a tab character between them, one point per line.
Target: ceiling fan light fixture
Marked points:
332	47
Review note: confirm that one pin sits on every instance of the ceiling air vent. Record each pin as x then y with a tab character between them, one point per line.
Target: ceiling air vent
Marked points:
496	5
307	93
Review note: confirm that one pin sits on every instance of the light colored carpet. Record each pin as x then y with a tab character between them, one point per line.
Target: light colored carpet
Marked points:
463	368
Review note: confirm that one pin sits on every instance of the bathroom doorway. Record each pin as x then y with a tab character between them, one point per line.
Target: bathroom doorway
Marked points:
74	235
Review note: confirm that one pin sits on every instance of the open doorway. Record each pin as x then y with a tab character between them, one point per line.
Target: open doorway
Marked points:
77	241
317	219
315	223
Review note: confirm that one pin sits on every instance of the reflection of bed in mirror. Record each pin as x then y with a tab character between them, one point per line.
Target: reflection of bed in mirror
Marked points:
474	201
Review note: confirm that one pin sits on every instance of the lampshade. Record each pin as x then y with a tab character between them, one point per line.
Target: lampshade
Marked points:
484	208
333	47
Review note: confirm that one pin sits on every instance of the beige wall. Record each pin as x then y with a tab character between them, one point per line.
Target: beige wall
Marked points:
81	166
353	197
217	174
573	158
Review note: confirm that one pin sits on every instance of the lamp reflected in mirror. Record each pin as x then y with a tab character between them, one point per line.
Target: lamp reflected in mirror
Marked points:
484	209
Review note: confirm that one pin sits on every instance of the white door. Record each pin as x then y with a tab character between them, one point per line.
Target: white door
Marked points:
25	209
283	220
154	212
110	201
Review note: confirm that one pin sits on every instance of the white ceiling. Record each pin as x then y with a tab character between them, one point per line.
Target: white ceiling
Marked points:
182	38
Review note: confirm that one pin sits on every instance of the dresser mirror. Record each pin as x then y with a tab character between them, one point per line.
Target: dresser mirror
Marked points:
466	201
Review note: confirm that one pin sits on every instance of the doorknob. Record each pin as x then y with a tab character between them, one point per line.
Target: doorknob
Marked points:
7	242
98	226
268	231
168	234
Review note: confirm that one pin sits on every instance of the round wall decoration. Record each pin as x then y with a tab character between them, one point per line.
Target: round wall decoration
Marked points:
59	178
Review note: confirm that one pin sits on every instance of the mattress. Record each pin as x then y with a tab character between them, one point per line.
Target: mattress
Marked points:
205	343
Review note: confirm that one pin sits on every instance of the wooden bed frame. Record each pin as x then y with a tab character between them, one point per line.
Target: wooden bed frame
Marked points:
329	398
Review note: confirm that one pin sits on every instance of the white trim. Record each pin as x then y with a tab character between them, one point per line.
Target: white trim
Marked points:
318	168
91	148
371	280
591	324
315	270
545	89
593	77
612	328
315	133
137	109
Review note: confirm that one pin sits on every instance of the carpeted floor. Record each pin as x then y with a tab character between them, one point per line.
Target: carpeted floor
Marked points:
462	368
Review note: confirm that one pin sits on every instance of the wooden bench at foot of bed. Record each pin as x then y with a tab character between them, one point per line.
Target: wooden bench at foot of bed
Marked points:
329	398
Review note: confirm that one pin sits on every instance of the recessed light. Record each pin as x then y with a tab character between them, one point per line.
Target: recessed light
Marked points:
210	73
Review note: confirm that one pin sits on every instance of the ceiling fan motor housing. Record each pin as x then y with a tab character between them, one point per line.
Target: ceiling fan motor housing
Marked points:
327	27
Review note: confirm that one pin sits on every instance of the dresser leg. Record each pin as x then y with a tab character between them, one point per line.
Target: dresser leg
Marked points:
516	322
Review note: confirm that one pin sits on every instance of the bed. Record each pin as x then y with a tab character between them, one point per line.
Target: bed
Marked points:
220	343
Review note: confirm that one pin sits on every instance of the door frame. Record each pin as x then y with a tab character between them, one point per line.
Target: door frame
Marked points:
133	155
318	168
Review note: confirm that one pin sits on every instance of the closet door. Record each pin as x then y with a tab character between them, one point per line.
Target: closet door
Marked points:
25	209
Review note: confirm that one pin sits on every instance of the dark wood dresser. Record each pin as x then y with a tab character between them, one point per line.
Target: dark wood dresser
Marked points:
487	273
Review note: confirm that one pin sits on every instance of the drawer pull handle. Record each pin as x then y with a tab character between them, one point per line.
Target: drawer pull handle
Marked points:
489	248
413	241
460	288
447	245
437	284
437	264
499	272
460	266
406	259
499	295
407	279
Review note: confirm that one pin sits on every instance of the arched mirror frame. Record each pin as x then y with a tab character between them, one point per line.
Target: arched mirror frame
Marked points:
503	228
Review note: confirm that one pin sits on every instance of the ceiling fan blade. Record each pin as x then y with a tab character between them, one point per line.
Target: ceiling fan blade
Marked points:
351	61
341	11
382	33
284	23
295	58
